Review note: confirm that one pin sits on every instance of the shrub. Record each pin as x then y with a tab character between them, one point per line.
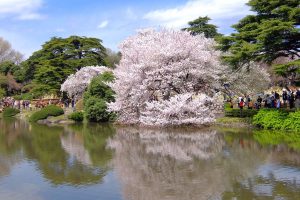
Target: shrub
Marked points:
269	118
96	97
240	113
278	119
76	116
51	110
10	112
292	122
96	110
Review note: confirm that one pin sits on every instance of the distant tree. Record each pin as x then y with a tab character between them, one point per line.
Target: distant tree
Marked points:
9	84
270	33
200	25
7	53
247	80
61	57
112	58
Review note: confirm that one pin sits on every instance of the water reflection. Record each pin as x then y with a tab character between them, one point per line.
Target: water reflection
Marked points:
160	164
64	155
276	178
89	161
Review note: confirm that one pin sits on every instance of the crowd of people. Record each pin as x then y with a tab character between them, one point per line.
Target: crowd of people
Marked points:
287	99
39	103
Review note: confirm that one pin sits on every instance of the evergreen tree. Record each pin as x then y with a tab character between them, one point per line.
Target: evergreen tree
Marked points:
61	57
200	25
270	33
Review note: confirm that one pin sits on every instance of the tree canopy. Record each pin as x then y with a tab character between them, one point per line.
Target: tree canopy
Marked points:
7	53
61	57
200	25
270	33
170	81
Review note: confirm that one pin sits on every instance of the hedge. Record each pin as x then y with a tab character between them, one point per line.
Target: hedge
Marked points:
50	110
240	113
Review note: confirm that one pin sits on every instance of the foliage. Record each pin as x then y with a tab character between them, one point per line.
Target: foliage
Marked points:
290	70
278	119
96	110
9	84
292	122
61	57
76	84
2	93
50	110
40	90
96	97
269	119
76	116
99	87
112	58
200	25
10	112
26	96
271	32
240	113
170	81
3	81
8	67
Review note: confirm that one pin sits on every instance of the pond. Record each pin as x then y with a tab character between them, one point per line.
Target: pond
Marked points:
93	161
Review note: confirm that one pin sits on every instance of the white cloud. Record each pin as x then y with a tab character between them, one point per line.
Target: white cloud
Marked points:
21	9
215	9
103	24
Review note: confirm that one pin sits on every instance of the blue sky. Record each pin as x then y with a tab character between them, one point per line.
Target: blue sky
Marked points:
27	24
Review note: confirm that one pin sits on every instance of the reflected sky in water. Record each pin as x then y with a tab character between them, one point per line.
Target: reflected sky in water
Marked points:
94	161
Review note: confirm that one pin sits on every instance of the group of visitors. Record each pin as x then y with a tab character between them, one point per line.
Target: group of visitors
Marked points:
18	104
40	103
288	99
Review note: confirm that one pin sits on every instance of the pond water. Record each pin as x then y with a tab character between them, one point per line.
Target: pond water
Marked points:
95	161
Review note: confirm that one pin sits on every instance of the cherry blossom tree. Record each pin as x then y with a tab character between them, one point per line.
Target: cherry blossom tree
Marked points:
76	84
167	77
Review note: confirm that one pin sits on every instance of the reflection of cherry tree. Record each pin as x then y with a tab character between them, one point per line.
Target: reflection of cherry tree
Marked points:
166	164
167	78
176	145
74	145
